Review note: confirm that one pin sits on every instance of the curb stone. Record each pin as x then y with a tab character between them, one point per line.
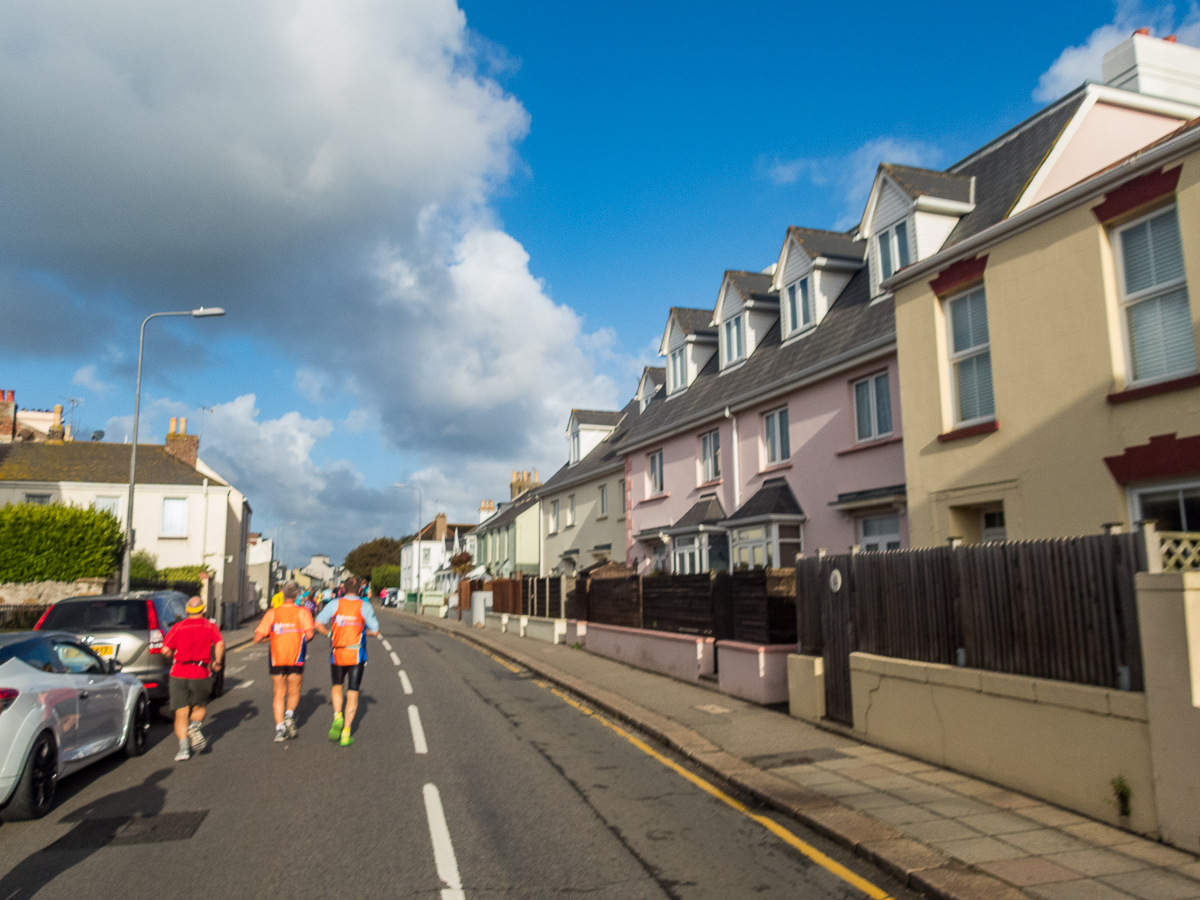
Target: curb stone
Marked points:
910	862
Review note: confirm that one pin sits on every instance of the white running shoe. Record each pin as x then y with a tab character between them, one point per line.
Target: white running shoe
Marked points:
289	728
280	734
183	754
197	738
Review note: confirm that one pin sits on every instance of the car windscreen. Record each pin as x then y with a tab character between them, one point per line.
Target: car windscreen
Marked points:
98	615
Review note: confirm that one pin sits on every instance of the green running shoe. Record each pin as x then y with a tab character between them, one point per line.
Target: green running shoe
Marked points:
346	740
335	729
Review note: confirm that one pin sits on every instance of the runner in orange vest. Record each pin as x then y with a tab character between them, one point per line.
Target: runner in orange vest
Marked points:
289	628
353	619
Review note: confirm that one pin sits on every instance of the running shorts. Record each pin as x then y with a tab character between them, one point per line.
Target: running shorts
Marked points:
288	670
352	675
185	692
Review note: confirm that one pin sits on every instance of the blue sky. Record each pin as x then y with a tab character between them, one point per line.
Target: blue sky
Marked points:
436	233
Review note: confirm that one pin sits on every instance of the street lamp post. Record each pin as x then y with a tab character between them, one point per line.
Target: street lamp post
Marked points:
201	313
417	548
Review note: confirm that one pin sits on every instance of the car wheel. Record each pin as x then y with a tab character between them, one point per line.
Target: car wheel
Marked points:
137	741
35	791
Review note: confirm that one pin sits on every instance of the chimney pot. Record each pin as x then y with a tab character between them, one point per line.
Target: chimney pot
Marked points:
1143	31
174	424
12	397
183	425
1171	38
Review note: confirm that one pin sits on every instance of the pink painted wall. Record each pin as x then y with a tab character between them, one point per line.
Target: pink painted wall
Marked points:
1106	134
821	423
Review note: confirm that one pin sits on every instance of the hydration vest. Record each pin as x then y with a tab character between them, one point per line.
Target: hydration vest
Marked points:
348	636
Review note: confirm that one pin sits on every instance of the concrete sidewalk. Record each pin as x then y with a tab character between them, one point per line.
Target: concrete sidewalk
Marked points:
945	834
243	634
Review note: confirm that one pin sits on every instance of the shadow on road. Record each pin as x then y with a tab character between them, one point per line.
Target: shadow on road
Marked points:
95	829
219	724
310	701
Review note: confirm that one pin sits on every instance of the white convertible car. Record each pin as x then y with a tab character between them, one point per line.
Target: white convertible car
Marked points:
62	707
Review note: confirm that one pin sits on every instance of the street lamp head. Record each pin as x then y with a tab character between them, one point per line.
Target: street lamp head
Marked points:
205	311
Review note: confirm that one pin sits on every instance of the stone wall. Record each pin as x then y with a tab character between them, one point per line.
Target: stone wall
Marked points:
43	593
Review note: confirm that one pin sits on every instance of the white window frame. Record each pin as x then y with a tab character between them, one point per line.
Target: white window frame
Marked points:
654	473
554	517
872	381
990	534
733	338
575	444
956	358
740	538
38	499
1136	513
689	555
621	487
570	510
163	530
1128	301
866	542
108	502
897	252
710	456
776	440
800	306
678	369
603	500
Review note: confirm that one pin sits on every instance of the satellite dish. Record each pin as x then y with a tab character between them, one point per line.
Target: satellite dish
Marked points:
97	435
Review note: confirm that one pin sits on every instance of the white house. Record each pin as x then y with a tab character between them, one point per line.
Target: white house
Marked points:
429	550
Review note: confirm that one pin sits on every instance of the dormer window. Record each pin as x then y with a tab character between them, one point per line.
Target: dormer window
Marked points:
800	310
893	250
678	369
734	340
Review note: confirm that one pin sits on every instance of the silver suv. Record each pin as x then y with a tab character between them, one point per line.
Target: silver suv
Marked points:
128	628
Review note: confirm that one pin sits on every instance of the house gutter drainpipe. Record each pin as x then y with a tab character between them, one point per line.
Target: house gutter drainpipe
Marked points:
737	473
204	539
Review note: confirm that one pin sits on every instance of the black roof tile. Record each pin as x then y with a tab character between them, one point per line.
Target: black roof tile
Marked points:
774	498
706	511
828	243
930	183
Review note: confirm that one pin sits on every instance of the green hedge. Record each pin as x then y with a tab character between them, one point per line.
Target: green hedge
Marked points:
57	543
385	577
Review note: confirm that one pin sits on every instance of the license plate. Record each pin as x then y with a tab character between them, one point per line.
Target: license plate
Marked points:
104	650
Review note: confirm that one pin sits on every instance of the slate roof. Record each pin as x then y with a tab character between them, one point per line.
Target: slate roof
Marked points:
872	494
774	498
930	183
1004	167
658	374
691	321
596	416
509	513
750	285
828	243
604	456
94	461
706	511
851	324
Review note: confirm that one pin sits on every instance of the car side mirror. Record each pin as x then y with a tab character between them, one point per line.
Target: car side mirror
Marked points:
113	667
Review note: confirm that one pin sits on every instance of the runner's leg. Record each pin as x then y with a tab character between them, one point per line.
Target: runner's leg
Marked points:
335	694
279	684
181	722
294	683
351	708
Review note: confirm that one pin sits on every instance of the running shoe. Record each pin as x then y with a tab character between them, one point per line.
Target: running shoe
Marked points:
183	754
197	738
289	728
346	740
280	734
335	730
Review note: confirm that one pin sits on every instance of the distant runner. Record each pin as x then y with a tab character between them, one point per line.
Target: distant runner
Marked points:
197	650
289	628
353	618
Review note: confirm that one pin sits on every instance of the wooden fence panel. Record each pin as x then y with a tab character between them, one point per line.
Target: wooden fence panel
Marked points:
678	603
761	615
616	601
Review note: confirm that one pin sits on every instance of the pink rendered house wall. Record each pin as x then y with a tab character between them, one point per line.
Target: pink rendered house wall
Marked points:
825	461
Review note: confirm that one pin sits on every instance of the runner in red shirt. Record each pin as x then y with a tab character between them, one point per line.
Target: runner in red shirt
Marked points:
196	649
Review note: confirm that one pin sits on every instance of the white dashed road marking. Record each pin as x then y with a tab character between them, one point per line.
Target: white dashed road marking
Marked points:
414	721
443	850
387	646
395	660
404	682
244	684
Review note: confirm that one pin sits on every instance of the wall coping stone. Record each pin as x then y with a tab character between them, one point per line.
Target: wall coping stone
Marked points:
665	635
743	647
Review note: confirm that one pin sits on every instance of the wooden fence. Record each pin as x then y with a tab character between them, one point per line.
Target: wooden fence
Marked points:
1062	609
756	607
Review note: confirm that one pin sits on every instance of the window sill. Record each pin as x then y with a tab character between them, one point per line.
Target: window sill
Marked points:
778	467
1153	390
653	498
716	482
967	431
569	527
868	445
172	537
601	518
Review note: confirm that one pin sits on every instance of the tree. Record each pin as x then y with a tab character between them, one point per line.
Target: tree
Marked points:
57	543
385	577
384	551
462	563
144	564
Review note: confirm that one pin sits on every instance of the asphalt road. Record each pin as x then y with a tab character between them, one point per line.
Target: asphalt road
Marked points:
521	792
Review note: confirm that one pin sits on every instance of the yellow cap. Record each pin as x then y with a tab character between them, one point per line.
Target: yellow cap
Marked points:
195	605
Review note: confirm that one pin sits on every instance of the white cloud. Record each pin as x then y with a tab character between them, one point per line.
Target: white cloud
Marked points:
86	377
1084	62
850	176
326	170
358	421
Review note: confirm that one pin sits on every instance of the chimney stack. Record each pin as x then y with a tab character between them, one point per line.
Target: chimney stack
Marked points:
439	527
1156	67
8	417
522	482
180	444
56	426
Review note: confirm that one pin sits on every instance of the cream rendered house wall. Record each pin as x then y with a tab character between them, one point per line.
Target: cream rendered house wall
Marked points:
1057	351
590	529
